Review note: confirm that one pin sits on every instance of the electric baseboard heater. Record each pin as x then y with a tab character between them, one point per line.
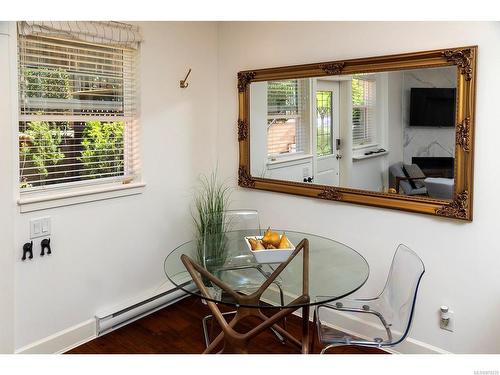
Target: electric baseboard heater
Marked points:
111	319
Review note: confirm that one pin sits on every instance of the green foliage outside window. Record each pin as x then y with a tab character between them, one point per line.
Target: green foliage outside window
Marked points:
41	141
357	92
360	135
102	154
41	146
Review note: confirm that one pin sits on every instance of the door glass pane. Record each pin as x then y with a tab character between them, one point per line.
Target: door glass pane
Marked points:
324	123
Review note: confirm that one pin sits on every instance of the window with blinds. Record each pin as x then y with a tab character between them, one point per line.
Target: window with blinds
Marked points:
364	129
286	121
77	120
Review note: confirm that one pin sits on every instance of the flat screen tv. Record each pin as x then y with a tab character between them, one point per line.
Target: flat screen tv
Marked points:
432	107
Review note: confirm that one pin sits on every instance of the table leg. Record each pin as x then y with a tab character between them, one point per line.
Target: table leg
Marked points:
235	342
305	330
313	336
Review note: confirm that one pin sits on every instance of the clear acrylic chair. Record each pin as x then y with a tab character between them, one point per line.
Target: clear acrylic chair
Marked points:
391	312
239	220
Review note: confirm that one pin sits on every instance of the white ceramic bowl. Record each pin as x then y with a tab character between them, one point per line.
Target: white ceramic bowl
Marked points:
270	255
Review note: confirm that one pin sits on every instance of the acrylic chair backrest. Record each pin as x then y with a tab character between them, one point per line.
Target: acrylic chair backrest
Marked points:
242	220
212	245
400	292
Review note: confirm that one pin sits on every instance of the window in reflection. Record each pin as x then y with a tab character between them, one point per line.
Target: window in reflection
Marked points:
286	118
364	127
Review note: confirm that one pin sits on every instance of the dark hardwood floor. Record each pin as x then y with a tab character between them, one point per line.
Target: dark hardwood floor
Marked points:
177	329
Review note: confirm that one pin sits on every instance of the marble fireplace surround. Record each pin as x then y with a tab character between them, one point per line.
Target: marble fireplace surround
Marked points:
426	141
435	166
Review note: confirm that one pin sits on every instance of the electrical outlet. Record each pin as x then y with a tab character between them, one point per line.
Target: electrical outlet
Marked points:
305	172
40	227
446	319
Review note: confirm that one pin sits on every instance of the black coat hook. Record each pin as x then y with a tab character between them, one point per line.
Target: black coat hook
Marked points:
45	244
28	249
183	83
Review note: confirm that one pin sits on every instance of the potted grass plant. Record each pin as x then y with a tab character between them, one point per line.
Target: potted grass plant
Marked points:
211	202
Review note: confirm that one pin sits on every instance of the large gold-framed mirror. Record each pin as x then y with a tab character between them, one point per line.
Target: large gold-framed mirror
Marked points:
389	131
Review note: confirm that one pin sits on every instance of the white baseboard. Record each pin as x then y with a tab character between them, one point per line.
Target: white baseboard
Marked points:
62	341
79	334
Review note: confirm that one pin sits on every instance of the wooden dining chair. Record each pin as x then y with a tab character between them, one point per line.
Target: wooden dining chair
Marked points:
392	309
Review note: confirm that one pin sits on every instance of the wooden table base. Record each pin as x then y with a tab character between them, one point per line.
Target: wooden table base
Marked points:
247	305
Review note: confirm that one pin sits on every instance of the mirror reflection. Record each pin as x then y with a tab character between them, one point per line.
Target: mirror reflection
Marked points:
385	132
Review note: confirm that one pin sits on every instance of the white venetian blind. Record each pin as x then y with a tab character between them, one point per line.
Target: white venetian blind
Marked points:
364	127
77	100
286	120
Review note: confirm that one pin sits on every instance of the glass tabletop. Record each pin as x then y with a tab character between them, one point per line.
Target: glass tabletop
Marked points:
335	271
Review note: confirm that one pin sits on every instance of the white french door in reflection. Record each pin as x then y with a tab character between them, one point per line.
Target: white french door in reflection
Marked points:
326	132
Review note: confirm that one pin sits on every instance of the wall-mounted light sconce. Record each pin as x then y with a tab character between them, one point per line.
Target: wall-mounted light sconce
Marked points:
183	83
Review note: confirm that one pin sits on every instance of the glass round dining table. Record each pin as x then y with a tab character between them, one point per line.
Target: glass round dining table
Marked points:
319	270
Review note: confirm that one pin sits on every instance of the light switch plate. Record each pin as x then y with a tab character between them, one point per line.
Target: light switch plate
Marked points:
40	227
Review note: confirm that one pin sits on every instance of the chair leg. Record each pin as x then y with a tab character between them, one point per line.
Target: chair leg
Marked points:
316	323
278	335
205	330
329	347
282	301
211	334
207	335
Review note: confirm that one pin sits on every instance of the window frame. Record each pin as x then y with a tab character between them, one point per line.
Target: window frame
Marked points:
76	192
374	142
303	109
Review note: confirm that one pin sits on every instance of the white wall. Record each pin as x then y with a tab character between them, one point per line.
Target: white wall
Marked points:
395	118
368	174
462	259
6	200
108	251
258	123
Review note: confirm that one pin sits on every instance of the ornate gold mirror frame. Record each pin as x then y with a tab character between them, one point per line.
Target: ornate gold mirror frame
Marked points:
465	60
